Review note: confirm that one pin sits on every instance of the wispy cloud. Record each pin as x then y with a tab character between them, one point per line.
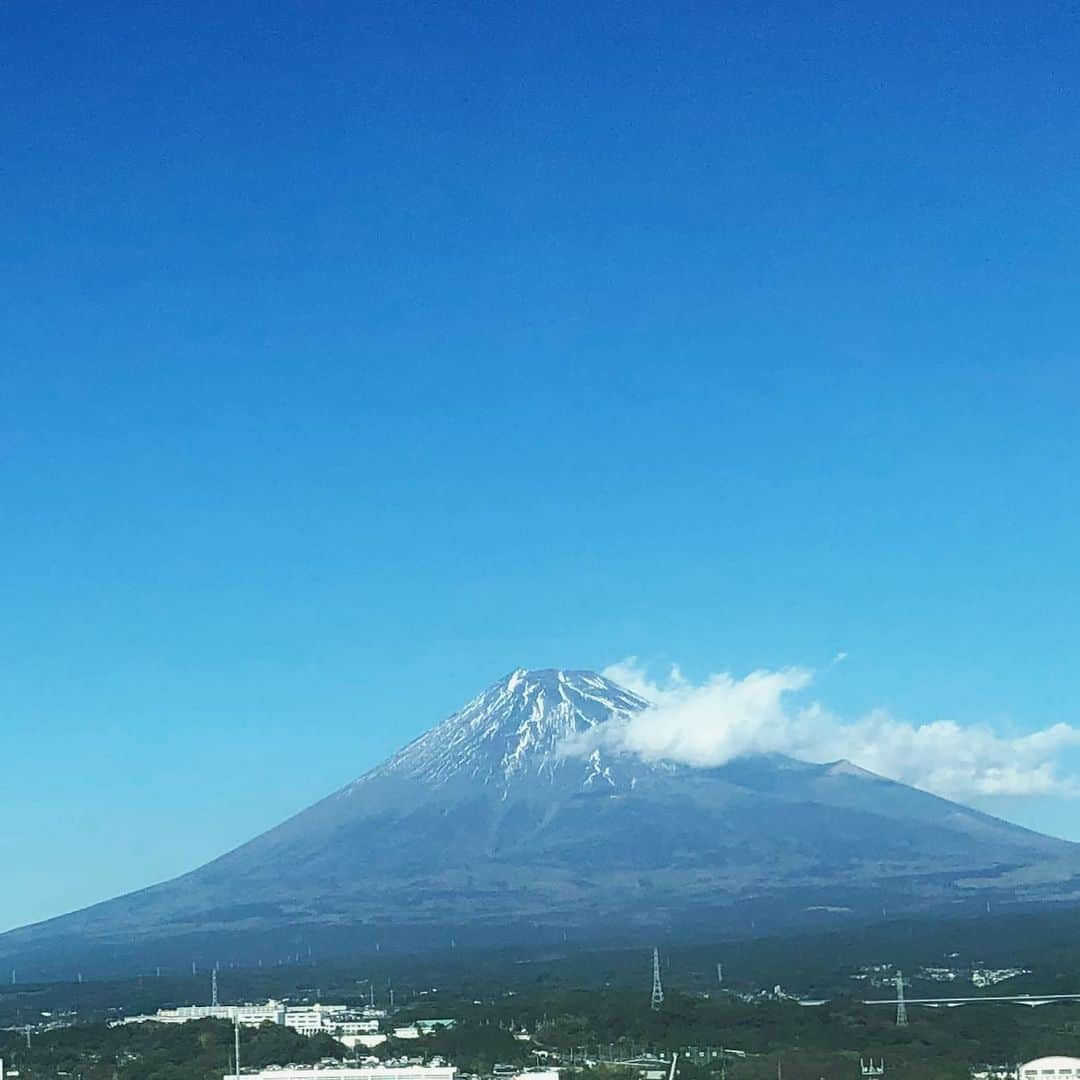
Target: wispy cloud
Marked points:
725	717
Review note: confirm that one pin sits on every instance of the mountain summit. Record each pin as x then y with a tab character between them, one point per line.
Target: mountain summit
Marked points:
515	731
487	830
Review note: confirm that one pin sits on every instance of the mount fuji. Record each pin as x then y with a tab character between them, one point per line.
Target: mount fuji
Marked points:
485	829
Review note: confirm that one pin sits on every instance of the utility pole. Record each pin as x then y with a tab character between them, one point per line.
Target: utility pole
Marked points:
236	1038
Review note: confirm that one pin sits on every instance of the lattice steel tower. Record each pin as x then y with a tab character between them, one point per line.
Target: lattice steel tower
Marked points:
657	985
901	1005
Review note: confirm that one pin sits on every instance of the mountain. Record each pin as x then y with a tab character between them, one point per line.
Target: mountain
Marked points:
486	829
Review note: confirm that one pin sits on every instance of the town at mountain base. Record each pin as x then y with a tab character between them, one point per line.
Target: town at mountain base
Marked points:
494	827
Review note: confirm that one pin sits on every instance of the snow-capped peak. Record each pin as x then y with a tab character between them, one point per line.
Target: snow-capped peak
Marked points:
515	729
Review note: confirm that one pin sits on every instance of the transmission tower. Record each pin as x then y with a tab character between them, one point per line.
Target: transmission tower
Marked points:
657	985
901	1006
213	989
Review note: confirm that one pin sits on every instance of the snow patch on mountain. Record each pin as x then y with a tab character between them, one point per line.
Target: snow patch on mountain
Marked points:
516	729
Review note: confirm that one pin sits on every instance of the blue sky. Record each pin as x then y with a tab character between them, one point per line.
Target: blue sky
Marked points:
353	355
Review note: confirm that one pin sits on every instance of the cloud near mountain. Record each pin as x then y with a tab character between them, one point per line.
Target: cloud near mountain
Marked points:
722	718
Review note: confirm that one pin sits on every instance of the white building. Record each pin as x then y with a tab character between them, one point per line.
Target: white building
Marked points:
313	1019
429	1027
305	1019
248	1015
346	1072
369	1042
358	1027
1060	1068
983	977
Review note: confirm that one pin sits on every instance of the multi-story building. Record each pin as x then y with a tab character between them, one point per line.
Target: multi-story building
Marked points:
317	1019
314	1019
272	1012
1043	1068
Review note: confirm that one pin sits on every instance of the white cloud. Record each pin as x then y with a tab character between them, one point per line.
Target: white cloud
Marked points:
725	717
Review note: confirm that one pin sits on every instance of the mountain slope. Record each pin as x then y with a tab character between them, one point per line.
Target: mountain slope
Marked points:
486	826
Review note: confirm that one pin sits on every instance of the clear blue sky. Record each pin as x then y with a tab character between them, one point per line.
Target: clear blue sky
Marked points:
352	355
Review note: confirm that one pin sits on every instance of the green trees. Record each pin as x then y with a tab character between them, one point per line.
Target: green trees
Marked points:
201	1050
474	1046
811	1042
